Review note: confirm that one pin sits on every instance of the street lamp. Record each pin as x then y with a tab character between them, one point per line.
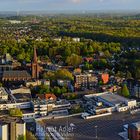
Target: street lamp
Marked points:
96	133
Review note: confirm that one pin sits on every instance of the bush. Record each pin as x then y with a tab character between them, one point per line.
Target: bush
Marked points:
76	109
15	112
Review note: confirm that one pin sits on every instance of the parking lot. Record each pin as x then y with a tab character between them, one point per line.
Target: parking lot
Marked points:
104	128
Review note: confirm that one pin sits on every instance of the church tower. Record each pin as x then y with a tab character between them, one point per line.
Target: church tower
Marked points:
35	66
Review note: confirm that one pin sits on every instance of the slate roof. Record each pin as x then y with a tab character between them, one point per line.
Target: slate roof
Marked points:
15	74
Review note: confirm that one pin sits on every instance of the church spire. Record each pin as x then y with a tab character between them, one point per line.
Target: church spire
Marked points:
35	66
35	56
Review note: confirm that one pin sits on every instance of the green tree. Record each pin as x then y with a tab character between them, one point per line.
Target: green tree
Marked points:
57	90
137	73
43	89
67	51
128	75
15	112
21	137
1	84
49	75
30	136
63	74
125	91
63	90
74	60
107	54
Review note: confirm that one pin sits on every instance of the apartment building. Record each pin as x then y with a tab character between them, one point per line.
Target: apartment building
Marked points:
11	128
85	81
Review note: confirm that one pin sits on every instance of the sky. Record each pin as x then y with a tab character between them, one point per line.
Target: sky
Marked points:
44	5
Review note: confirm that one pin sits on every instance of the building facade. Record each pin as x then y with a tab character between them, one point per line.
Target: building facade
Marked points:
85	81
12	128
134	131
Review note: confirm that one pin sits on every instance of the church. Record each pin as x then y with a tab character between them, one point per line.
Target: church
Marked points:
23	75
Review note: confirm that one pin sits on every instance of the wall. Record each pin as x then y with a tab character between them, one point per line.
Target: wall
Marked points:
24	105
4	132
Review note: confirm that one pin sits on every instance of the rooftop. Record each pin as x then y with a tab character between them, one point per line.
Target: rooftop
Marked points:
136	125
16	74
3	91
22	96
8	120
113	98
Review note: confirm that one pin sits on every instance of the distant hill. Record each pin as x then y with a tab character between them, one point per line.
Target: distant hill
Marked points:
136	16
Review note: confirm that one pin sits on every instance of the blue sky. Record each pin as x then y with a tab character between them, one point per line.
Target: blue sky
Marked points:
14	5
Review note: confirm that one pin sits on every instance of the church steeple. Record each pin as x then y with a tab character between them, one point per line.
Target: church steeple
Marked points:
35	66
35	56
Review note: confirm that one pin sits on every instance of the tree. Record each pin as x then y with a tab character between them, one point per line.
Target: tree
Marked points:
67	51
63	74
1	84
21	137
63	90
74	60
57	90
107	54
30	136
90	49
125	91
15	112
49	75
47	137
137	73
128	75
43	89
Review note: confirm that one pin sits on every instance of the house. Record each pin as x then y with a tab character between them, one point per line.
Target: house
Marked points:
35	83
48	97
76	39
63	82
134	87
134	131
105	78
88	59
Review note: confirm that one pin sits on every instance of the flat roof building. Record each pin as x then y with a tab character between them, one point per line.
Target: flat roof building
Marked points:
113	100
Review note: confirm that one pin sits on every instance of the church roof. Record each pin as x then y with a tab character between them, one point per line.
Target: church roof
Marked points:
16	74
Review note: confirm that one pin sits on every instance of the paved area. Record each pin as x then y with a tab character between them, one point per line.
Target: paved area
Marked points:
104	128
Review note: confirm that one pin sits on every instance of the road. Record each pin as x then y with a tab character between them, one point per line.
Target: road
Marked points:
107	128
